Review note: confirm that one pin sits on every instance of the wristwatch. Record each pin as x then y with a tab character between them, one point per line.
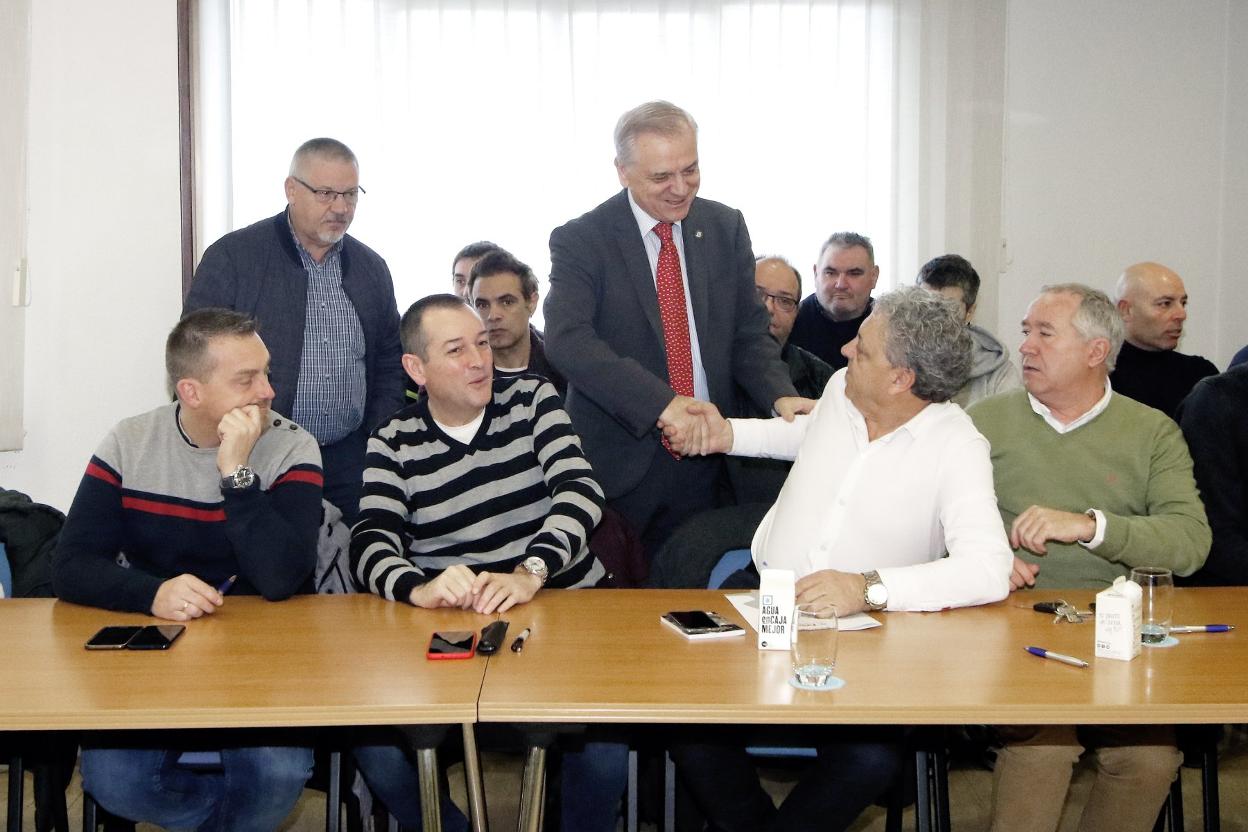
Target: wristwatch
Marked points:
242	478
874	594
536	566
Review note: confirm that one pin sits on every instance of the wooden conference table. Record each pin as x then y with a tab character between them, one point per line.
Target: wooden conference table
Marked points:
602	656
609	660
325	660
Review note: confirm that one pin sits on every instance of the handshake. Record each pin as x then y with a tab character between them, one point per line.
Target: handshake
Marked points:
696	428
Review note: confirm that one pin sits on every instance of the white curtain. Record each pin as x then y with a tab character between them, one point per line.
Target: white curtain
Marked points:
492	119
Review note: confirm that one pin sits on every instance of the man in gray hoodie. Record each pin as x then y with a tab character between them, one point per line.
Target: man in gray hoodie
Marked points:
992	372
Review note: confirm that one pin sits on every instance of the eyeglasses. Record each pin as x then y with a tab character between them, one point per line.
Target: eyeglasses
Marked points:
328	195
783	302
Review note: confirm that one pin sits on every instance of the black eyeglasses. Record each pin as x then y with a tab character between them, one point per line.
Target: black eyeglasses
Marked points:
328	195
783	302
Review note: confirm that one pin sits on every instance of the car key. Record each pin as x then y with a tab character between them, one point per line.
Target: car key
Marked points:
492	636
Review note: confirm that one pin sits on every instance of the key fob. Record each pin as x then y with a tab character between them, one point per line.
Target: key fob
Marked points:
492	636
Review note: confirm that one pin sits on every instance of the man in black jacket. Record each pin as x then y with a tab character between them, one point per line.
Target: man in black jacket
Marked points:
326	309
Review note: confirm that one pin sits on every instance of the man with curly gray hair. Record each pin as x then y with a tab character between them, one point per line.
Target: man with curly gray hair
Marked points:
889	476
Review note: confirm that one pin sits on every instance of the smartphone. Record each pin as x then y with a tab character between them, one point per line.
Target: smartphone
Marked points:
156	637
112	638
457	644
701	624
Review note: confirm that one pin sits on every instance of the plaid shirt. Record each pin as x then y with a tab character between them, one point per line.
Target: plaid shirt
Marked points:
330	396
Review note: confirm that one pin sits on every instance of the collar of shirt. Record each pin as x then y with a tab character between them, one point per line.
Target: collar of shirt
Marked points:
1047	415
646	223
914	428
304	254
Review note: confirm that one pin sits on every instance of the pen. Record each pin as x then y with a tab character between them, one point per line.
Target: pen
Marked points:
1204	628
1060	657
226	584
518	644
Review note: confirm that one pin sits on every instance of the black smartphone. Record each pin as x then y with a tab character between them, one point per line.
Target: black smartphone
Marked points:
112	638
156	637
452	645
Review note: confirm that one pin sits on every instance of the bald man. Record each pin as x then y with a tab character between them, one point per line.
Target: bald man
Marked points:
1153	304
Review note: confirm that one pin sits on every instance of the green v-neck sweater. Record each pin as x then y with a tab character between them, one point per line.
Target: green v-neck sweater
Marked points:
1130	462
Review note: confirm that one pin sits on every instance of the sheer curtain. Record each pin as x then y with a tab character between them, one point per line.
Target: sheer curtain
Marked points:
492	119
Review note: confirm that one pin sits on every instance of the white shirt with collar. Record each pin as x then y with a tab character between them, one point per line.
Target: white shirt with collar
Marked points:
1042	410
895	505
646	224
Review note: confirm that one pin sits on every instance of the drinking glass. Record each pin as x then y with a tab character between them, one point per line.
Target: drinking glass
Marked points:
1157	603
814	644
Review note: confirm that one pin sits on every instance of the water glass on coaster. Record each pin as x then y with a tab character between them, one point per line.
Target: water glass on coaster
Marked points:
1157	604
814	647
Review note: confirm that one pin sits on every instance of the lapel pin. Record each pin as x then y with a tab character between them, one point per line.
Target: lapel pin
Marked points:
698	234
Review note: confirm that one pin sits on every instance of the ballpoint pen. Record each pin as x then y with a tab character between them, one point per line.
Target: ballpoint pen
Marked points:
226	584
518	644
1057	657
1203	628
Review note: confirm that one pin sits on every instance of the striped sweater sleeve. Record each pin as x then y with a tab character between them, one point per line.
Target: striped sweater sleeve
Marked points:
576	497
377	539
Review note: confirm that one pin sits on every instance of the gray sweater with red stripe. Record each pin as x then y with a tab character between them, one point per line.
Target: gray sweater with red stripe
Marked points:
150	507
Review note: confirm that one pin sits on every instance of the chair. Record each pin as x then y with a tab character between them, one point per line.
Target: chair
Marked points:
1199	741
930	769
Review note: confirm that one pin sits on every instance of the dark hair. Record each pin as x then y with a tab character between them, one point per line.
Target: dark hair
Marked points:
951	270
796	274
186	348
325	148
410	328
500	261
849	239
475	250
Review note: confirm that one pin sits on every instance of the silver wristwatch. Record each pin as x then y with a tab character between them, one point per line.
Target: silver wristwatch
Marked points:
536	566
242	478
874	594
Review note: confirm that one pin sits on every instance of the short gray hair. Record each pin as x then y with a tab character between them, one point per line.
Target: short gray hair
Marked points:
662	117
849	239
325	148
1096	317
924	332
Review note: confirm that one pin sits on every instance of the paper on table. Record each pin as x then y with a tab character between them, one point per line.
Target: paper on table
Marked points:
747	604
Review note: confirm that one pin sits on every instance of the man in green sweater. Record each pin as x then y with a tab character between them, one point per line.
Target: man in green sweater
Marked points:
1090	484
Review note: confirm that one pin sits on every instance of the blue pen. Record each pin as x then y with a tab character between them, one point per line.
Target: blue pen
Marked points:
226	584
1058	657
1204	628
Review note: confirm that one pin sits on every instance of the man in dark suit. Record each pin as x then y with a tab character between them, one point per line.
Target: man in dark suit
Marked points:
651	307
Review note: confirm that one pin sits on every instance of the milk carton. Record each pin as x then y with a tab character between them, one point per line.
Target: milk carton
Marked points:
775	609
1118	621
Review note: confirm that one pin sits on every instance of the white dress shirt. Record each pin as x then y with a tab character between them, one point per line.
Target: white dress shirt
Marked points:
895	505
645	224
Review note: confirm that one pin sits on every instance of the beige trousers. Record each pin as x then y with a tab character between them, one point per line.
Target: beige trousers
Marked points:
1135	765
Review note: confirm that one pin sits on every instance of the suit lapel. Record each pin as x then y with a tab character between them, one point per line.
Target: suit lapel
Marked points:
699	277
633	251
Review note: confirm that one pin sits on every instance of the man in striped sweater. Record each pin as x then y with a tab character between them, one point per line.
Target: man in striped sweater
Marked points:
476	496
173	503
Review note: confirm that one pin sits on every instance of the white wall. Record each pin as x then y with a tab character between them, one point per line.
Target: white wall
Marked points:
103	241
14	63
1119	148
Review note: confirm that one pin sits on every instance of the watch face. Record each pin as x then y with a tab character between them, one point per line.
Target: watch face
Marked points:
877	595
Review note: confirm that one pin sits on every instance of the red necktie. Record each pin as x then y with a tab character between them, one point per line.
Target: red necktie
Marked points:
671	291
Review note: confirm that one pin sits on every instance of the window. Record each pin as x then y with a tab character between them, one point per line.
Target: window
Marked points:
492	120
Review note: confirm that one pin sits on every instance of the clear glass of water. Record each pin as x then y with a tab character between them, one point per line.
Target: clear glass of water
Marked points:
1157	604
814	644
